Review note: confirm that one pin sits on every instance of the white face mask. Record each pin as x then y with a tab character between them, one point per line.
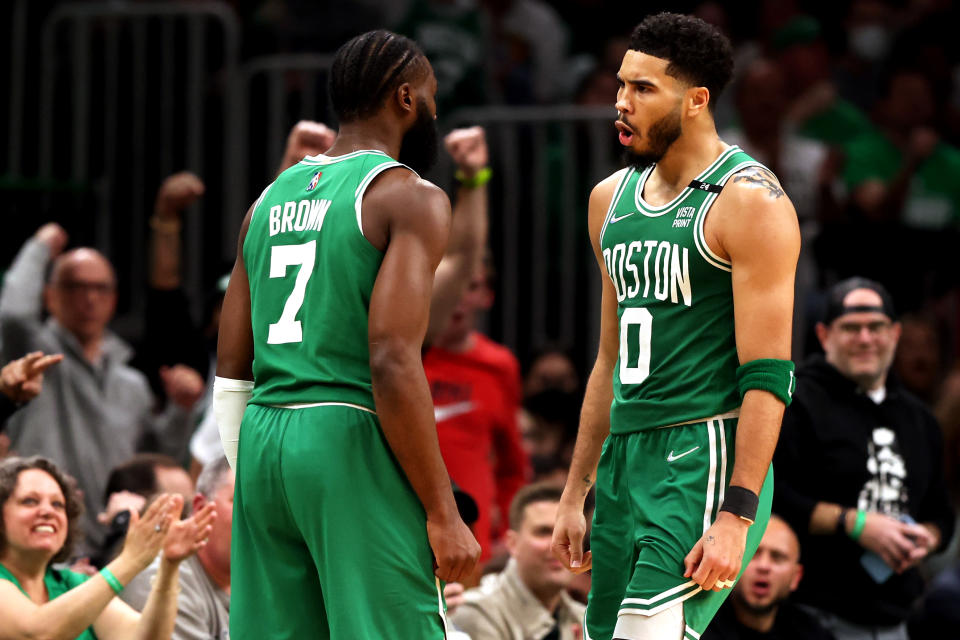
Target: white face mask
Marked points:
869	42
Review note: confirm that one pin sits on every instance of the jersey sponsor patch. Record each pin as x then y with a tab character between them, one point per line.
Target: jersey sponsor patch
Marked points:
314	181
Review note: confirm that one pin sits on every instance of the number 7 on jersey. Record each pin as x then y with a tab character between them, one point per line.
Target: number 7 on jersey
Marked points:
288	329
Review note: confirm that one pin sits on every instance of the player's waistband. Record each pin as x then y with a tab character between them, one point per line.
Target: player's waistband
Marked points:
310	405
734	413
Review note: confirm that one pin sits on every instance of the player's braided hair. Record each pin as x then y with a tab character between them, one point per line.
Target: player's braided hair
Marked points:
697	52
367	68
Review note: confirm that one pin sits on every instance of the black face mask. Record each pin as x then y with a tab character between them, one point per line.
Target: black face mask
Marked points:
419	147
662	134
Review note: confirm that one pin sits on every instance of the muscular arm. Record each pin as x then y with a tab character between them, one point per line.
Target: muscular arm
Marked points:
417	215
595	414
755	227
760	234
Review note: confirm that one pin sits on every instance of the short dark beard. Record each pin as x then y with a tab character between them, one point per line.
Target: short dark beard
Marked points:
663	133
419	147
756	610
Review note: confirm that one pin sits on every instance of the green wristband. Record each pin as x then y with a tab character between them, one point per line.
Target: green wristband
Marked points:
478	179
768	374
859	525
111	580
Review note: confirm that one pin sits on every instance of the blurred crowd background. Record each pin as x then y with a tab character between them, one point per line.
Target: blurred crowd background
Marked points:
855	105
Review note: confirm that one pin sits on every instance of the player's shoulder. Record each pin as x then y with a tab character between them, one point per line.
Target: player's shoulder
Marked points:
754	194
400	189
604	190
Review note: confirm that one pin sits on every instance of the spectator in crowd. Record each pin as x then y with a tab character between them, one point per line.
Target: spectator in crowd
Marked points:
860	474
528	600
130	486
21	381
41	507
551	368
551	404
919	359
760	606
96	410
203	605
815	108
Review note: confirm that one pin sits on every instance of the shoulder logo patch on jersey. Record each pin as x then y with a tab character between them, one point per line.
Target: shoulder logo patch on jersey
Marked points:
314	181
614	217
671	457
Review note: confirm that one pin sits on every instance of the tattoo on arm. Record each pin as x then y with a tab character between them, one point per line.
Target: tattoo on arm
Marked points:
587	483
760	178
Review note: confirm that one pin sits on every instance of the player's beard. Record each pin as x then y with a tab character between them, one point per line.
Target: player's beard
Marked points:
418	149
662	133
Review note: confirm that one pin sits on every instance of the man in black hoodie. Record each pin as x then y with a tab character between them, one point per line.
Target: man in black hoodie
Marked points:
859	472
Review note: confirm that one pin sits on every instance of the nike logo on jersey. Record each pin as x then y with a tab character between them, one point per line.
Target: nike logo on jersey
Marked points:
614	217
671	457
451	411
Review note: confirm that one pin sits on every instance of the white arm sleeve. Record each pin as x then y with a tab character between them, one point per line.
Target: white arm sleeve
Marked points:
229	402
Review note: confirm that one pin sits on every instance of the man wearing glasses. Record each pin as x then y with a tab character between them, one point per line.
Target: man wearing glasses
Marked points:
95	411
859	473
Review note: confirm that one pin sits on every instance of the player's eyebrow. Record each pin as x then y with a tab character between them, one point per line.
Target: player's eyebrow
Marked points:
640	82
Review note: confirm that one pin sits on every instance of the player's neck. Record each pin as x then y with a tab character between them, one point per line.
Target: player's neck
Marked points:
363	135
686	158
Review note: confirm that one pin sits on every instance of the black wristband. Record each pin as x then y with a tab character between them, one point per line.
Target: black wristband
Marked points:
842	521
741	502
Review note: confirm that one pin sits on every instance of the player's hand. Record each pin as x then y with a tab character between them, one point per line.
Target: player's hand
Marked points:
307	138
715	561
182	384
178	192
468	148
568	534
893	541
54	236
22	379
455	550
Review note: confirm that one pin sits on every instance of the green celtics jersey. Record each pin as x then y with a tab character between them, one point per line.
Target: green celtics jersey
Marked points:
311	273
678	355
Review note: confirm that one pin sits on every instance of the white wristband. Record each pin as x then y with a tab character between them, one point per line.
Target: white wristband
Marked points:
230	399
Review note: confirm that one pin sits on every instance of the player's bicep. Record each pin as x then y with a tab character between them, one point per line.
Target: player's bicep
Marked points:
400	301
235	340
763	242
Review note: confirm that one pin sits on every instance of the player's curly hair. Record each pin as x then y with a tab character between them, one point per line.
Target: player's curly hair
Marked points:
697	52
368	68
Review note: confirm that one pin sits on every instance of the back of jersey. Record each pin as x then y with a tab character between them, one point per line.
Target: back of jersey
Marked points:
311	273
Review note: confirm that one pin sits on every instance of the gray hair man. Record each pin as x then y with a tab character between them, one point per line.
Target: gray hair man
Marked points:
203	606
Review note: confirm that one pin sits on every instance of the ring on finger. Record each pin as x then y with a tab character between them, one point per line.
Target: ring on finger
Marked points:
158	528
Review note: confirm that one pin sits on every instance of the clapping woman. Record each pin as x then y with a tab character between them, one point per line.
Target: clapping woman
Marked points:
40	510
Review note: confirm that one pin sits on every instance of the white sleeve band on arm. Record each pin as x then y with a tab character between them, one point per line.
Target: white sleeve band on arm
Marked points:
229	402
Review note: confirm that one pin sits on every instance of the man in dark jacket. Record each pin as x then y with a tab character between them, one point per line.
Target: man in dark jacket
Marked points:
859	472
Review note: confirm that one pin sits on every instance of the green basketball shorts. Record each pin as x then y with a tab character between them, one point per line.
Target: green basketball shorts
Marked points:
657	492
329	539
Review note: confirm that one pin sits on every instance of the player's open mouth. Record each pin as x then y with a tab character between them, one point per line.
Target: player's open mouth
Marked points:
626	133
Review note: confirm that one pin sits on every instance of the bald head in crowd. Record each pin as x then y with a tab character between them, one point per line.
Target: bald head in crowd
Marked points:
82	295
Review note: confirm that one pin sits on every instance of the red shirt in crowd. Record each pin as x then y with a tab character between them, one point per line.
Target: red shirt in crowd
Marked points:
476	398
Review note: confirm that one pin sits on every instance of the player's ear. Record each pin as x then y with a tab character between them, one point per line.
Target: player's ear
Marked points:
404	97
698	100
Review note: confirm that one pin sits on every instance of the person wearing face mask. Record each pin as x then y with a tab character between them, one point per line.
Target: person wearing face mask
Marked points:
859	472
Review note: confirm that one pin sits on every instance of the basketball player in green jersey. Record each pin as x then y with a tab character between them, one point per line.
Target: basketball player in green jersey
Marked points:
344	519
698	246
